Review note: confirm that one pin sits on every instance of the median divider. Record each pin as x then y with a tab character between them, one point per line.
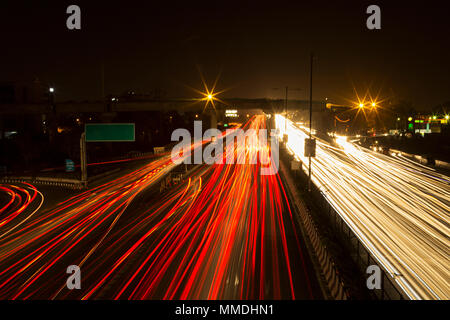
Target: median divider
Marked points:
423	159
335	288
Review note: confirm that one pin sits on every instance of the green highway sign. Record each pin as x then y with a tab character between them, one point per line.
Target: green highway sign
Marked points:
109	132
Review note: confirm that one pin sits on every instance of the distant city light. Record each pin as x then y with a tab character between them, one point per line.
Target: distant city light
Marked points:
410	119
51	90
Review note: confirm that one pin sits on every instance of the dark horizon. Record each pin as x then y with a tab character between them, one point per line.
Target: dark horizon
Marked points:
252	48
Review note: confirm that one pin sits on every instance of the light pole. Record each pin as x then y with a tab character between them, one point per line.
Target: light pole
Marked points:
286	103
83	159
51	95
52	117
285	110
310	120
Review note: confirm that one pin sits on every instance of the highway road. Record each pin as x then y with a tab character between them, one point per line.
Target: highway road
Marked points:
18	204
226	232
398	209
30	254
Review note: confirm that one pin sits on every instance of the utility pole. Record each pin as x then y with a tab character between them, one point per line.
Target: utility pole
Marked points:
285	110
310	120
286	106
83	159
52	116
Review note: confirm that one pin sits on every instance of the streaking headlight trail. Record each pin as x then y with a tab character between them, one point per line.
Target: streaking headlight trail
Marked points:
400	211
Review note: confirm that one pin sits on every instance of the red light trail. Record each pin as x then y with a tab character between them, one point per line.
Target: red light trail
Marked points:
227	232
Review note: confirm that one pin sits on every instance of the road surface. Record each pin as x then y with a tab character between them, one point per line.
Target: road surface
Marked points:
226	232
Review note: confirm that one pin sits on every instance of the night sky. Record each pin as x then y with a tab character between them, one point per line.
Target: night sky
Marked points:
254	47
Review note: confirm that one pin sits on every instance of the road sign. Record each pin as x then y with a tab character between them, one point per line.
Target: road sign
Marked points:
310	148
295	165
109	132
70	165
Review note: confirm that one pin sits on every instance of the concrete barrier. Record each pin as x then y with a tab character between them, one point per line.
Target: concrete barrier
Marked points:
423	160
48	181
328	269
442	164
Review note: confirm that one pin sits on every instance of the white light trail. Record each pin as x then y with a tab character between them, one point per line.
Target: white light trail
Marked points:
399	210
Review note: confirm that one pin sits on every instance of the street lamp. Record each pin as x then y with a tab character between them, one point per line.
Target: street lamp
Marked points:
51	99
361	105
310	122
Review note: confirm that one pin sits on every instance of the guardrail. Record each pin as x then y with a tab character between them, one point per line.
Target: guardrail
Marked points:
328	269
423	160
48	181
74	184
361	256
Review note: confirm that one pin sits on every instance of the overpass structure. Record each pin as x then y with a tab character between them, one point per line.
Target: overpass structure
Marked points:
179	105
